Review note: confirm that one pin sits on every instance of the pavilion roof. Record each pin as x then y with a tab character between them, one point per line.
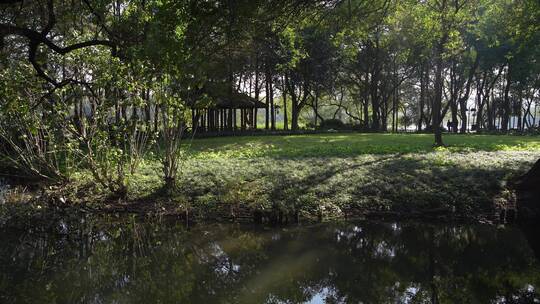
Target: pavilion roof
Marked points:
221	96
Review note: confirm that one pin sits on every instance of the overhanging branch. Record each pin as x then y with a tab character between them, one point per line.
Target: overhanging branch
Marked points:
35	39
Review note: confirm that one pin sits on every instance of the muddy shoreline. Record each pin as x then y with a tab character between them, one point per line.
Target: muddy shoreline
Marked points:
46	206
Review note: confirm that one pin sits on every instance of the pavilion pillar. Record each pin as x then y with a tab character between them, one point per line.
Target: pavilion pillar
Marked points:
209	121
214	119
255	118
205	115
220	118
251	118
193	122
230	119
203	123
223	121
234	119
250	113
246	118
242	120
226	115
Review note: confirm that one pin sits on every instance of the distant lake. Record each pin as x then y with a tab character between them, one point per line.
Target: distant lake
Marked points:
123	259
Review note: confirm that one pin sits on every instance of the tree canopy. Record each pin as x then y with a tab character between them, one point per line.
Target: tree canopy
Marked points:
99	82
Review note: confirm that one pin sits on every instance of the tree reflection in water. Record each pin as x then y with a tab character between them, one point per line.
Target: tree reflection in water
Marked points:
111	260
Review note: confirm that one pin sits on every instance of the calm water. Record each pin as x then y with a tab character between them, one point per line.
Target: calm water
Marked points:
111	260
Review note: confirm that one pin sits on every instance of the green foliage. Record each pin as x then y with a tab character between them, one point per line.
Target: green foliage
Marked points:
116	79
29	139
353	174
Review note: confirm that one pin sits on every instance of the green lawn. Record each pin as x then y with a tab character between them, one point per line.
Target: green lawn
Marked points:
351	144
335	175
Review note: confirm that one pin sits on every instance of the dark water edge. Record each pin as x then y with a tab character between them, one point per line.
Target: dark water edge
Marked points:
129	259
4	187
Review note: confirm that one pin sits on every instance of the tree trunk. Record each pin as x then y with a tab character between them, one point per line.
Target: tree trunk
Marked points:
375	126
296	104
437	100
294	118
257	92
422	97
534	115
285	114
272	107
453	110
520	110
364	103
506	113
267	102
479	113
315	109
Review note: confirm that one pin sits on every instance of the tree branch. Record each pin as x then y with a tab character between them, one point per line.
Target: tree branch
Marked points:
36	38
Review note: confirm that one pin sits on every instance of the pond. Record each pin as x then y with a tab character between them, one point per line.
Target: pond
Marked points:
124	259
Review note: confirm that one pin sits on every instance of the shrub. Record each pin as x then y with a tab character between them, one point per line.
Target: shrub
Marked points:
335	124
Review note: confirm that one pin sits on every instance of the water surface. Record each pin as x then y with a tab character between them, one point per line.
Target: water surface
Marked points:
126	260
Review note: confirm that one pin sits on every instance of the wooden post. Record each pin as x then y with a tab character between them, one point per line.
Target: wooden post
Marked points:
206	120
230	119
209	119
255	118
242	119
250	115
203	120
224	119
193	122
221	120
234	120
215	119
216	125
246	118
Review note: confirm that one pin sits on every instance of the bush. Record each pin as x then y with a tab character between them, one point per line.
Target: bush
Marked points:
32	147
335	124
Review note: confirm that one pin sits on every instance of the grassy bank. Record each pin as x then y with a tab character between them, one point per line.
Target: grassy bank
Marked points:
328	176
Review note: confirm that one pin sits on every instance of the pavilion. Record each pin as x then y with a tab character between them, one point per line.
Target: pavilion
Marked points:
219	107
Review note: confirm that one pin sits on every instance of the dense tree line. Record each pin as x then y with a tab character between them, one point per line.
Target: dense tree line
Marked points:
98	84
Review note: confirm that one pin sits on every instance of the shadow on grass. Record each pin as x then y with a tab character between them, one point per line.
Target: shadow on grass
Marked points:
407	186
442	185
